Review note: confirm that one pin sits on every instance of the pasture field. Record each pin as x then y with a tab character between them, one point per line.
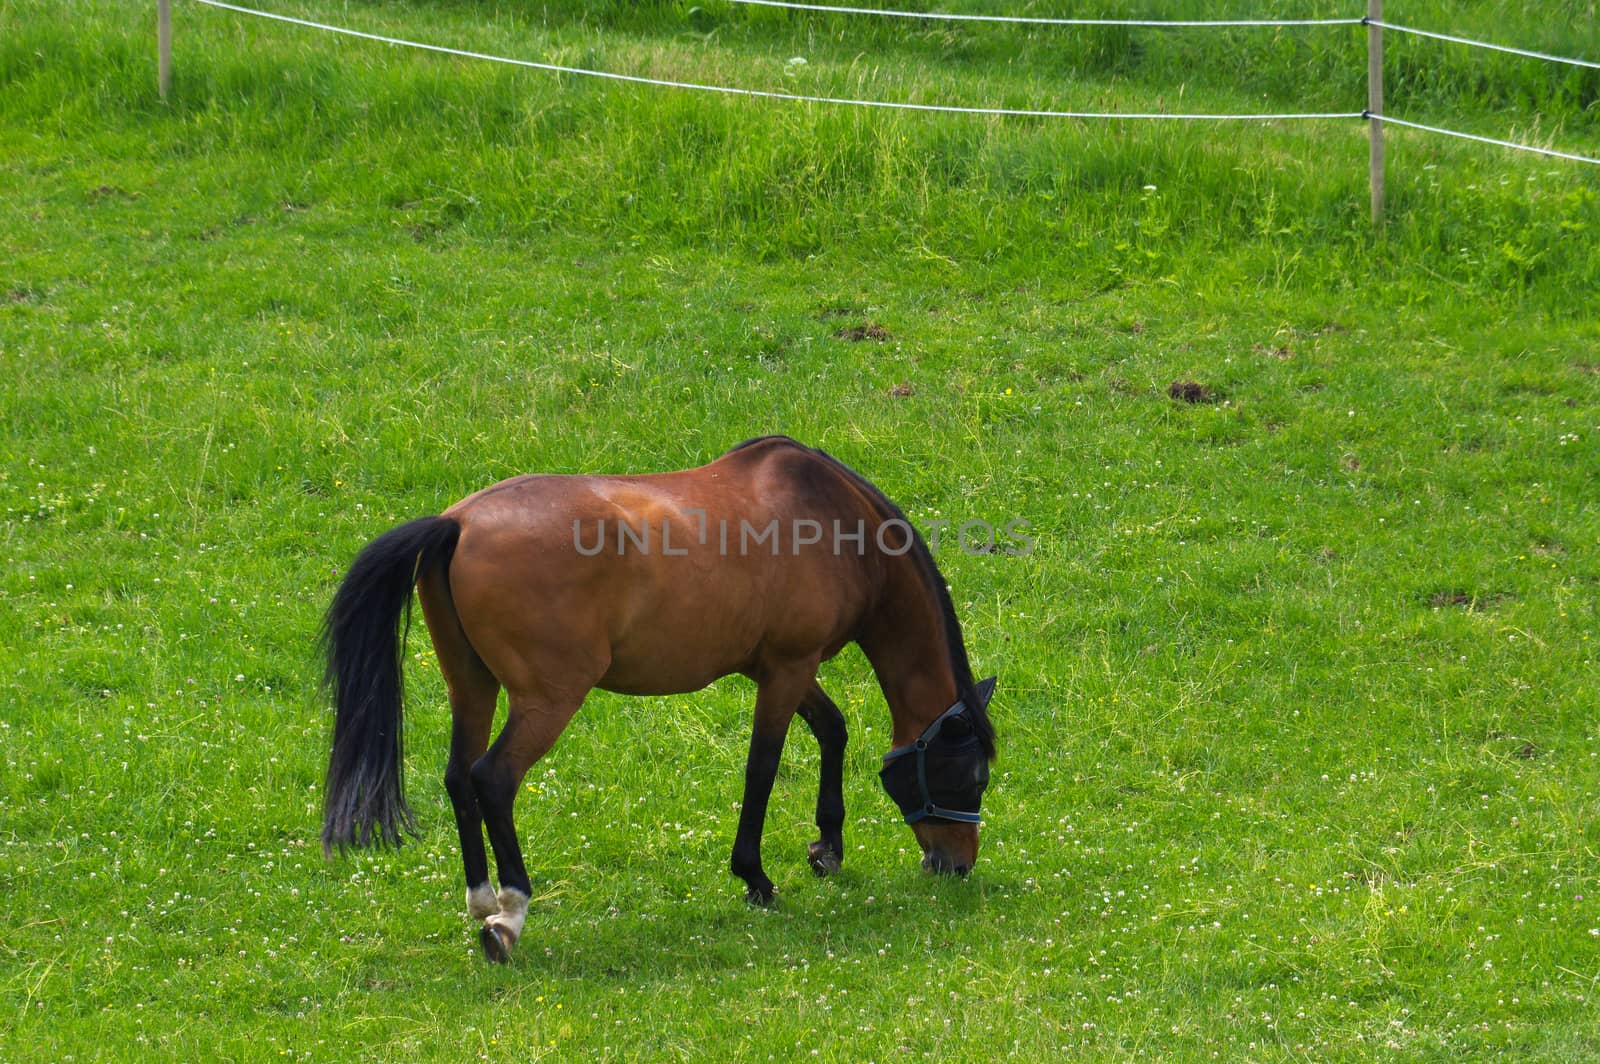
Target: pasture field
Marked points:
1300	751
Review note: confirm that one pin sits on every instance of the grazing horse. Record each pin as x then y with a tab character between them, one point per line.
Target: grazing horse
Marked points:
765	562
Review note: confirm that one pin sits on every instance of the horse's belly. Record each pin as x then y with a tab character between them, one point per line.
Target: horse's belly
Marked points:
663	674
674	653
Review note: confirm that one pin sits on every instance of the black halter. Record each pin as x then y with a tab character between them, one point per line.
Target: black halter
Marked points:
925	807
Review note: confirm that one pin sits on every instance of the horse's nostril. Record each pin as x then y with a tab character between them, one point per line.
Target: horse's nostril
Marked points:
961	870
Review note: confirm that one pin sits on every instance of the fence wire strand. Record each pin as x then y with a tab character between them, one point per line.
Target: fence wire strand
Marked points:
1484	140
1040	20
1458	40
728	90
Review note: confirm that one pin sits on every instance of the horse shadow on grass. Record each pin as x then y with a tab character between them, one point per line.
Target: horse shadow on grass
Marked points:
650	937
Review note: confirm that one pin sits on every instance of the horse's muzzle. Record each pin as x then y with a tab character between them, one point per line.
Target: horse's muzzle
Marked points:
943	864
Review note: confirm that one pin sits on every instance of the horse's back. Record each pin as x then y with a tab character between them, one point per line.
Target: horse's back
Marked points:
658	583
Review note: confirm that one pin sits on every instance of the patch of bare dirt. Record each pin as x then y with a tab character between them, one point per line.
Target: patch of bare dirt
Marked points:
870	330
1466	600
1192	392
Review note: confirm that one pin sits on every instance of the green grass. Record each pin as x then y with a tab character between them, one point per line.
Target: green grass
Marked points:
1299	755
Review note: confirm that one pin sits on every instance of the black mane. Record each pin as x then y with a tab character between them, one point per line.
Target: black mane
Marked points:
931	577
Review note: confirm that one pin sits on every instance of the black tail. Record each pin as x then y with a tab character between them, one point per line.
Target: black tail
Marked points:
364	801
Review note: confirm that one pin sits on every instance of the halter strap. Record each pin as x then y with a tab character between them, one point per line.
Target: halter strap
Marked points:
928	735
919	746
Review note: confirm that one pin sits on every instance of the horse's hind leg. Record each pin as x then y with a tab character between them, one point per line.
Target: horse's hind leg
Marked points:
469	736
827	724
532	725
473	691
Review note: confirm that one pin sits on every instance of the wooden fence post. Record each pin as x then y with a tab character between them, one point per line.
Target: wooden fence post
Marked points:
164	46
1375	108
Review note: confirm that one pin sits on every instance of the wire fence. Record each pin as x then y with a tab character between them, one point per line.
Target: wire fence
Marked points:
1525	53
1550	152
768	94
1041	20
1374	113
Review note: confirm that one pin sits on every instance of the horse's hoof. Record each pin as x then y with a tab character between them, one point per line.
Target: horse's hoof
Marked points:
824	859
760	897
496	944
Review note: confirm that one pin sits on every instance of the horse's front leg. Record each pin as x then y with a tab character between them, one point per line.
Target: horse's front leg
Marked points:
777	697
827	724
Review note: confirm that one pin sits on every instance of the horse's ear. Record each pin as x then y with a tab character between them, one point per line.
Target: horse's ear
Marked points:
985	690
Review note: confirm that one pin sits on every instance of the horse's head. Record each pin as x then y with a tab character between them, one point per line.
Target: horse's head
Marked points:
938	782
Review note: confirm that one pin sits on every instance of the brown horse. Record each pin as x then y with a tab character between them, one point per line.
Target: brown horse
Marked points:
765	562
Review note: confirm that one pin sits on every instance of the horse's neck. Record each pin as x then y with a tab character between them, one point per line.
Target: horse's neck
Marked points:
906	643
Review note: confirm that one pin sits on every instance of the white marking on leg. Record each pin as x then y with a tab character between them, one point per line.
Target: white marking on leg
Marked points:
481	902
513	911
